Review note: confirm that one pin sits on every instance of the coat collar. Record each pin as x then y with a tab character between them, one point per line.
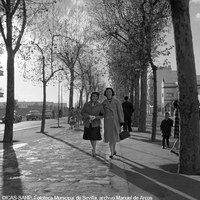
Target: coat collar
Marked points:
108	104
97	103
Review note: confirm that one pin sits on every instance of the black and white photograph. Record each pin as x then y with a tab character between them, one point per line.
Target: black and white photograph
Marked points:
99	99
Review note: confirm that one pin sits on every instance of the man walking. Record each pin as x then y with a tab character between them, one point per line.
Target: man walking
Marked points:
128	111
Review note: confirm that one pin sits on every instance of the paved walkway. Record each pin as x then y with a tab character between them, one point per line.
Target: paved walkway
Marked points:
60	166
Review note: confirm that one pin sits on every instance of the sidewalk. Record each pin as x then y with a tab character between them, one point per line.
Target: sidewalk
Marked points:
60	166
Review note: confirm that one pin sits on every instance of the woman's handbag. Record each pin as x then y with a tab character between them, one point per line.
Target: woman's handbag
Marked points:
124	134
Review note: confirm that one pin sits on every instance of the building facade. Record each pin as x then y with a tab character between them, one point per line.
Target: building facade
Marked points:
167	90
1	74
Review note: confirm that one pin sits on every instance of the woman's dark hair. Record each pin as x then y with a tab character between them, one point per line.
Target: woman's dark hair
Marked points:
109	88
94	93
175	104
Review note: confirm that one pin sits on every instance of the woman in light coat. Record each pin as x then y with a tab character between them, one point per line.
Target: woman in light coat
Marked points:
113	119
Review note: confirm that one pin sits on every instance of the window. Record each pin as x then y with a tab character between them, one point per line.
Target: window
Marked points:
170	95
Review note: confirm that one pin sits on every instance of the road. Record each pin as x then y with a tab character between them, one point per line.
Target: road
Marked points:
28	131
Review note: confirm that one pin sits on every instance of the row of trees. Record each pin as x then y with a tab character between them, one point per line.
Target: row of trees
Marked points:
56	45
135	33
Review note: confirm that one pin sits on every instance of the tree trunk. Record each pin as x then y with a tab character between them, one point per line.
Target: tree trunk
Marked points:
155	106
9	118
80	102
43	108
126	89
87	96
71	90
143	101
137	101
189	160
131	92
7	32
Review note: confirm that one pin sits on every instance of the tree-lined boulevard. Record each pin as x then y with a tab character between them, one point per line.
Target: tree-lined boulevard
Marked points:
58	164
88	46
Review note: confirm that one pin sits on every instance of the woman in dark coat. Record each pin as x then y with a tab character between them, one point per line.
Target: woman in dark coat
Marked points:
113	119
92	114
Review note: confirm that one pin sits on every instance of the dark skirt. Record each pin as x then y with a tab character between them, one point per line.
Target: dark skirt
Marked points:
92	133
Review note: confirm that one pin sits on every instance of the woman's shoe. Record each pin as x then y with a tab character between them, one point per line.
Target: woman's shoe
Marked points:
115	153
111	156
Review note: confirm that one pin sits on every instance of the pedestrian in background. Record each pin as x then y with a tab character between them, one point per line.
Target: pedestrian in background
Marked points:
128	111
175	148
166	128
79	117
113	119
92	114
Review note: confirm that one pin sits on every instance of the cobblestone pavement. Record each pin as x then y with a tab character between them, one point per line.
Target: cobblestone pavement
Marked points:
58	165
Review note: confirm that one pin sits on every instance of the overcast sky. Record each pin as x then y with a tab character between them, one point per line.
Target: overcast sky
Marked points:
26	91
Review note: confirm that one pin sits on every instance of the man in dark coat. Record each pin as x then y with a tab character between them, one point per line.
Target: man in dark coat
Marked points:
128	111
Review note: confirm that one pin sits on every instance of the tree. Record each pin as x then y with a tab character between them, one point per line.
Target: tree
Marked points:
91	69
155	26
74	36
38	54
189	160
68	54
40	65
12	11
13	21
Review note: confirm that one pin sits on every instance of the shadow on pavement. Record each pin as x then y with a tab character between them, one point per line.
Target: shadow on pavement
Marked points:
7	144
57	127
172	168
67	143
99	157
147	139
157	182
163	184
12	184
144	139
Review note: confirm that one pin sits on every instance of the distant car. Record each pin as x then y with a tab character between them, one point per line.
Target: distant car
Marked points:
33	115
17	118
48	114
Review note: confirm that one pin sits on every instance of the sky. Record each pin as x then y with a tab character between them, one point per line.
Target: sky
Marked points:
27	91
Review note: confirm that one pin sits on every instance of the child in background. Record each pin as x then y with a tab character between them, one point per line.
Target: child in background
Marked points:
166	127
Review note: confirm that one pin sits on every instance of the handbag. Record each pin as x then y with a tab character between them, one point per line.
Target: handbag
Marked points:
124	134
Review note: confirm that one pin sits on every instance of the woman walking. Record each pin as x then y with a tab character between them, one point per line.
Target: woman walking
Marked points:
92	114
113	119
